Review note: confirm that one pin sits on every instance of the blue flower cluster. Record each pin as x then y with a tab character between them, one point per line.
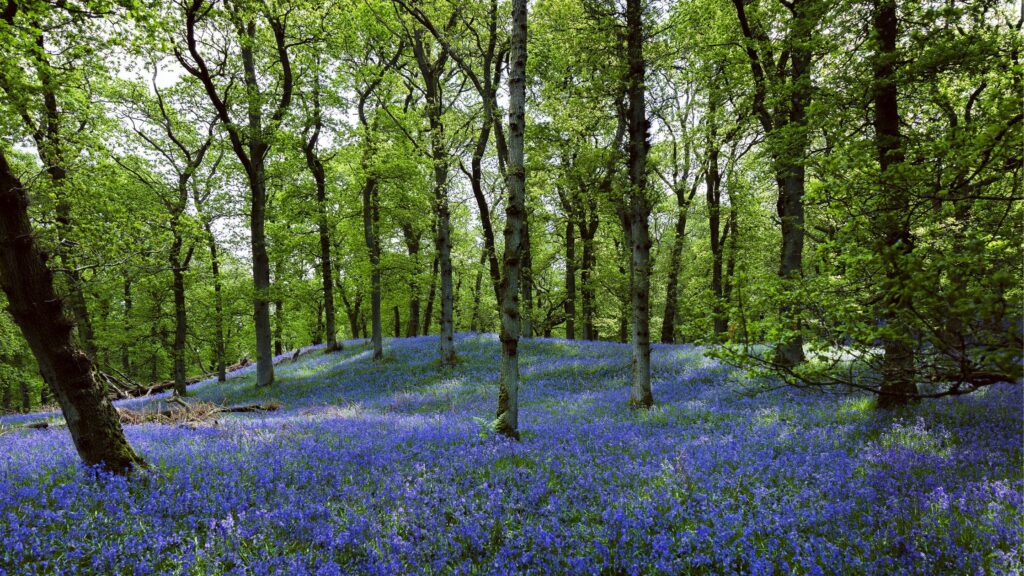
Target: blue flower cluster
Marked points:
382	468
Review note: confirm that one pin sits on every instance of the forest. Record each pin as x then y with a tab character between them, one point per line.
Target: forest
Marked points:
511	287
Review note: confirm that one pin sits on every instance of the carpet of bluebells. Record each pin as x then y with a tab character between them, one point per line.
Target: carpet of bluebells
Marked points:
386	469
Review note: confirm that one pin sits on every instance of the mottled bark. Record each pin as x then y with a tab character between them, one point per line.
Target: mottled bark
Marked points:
515	221
431	69
639	207
91	418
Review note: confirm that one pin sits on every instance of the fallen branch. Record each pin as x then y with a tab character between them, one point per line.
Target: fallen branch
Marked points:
186	413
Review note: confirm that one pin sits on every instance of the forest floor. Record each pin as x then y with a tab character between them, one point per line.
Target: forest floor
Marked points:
388	468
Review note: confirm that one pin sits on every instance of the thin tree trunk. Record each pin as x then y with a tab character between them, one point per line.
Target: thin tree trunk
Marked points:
94	424
316	168
126	359
570	280
398	322
475	322
428	313
180	317
431	70
219	345
527	280
412	244
713	189
588	293
515	221
370	235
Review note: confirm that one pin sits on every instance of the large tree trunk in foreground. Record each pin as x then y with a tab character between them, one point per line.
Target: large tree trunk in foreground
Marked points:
898	383
515	221
32	302
639	209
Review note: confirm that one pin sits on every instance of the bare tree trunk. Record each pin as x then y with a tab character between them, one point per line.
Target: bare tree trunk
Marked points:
898	382
398	322
431	70
475	322
428	313
370	234
515	221
713	189
94	424
588	292
126	359
784	123
527	280
668	325
412	244
219	345
639	208
180	318
316	168
570	280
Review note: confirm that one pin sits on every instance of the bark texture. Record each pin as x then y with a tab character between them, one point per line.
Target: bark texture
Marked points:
515	215
38	312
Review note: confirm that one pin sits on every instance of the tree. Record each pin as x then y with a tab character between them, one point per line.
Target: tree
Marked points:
782	76
636	207
36	309
252	143
515	214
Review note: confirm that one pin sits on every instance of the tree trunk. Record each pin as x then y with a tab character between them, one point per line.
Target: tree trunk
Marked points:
219	345
475	322
570	280
713	189
94	424
515	221
588	293
444	248
126	359
371	217
898	383
398	322
668	324
412	244
527	280
180	318
639	208
316	168
431	70
428	313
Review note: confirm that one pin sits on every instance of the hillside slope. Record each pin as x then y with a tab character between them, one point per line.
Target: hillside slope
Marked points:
384	469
